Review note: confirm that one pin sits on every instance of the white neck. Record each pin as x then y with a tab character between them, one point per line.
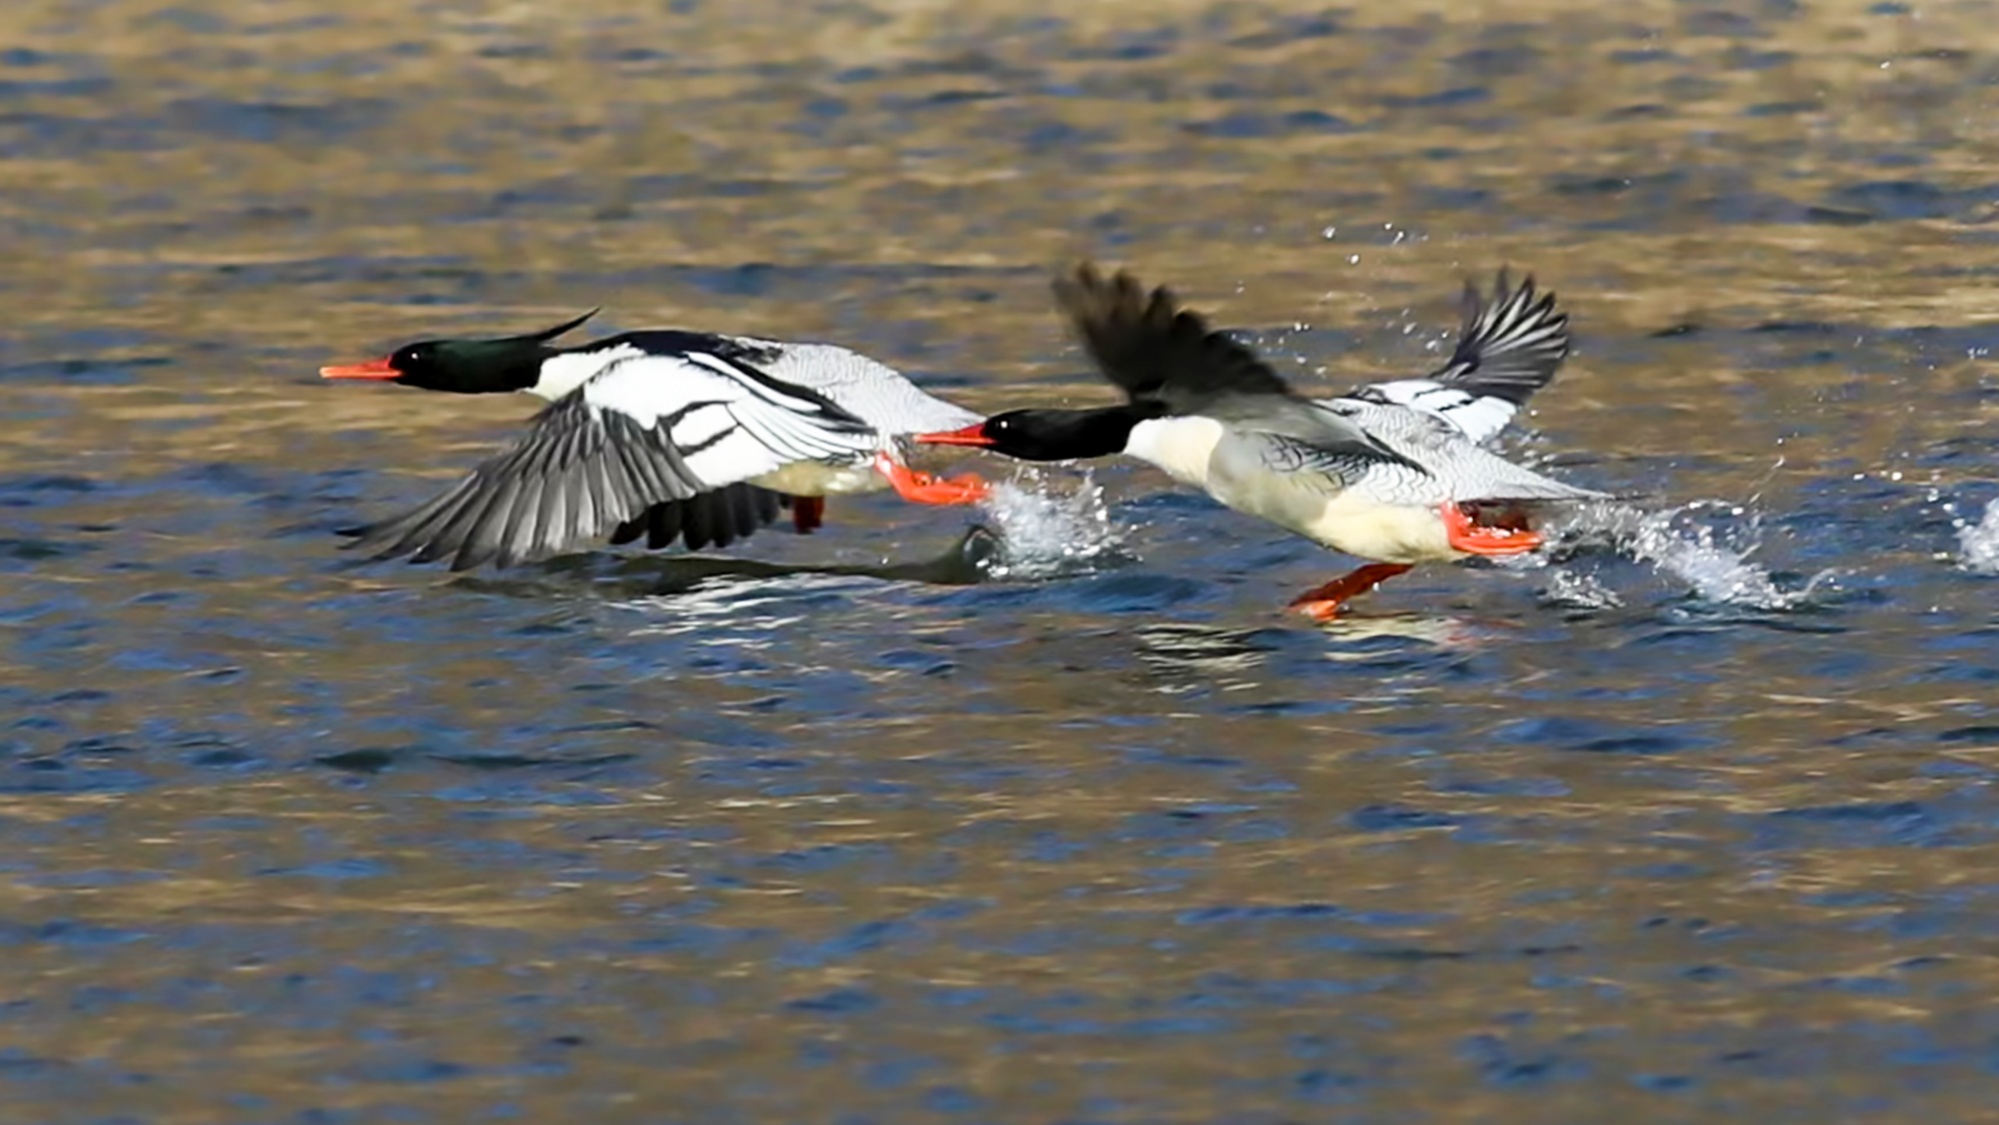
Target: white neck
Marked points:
1181	446
564	373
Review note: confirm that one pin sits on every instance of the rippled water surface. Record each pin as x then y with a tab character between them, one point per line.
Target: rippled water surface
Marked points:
1045	812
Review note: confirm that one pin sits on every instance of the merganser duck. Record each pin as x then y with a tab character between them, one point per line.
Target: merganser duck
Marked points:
1393	472
665	434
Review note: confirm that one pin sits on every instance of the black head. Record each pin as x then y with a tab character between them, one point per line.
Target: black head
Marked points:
1053	435
471	367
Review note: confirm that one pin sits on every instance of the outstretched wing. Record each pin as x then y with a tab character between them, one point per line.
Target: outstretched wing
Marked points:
647	429
1508	348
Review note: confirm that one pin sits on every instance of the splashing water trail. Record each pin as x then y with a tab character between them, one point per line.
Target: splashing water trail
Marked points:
1705	544
1579	591
1045	533
1979	543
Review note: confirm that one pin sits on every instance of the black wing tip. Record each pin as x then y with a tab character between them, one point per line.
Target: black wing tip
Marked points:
1088	296
379	537
423	544
715	518
1504	292
1509	344
1150	347
1084	291
458	556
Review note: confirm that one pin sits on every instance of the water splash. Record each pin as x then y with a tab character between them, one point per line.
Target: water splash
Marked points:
1045	534
1575	590
1705	544
1979	543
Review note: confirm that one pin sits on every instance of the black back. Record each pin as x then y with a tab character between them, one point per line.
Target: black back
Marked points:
674	341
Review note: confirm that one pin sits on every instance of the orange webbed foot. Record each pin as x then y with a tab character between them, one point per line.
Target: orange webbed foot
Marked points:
925	488
1323	603
1473	539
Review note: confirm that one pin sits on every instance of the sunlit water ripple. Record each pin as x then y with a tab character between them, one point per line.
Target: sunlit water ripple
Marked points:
1045	810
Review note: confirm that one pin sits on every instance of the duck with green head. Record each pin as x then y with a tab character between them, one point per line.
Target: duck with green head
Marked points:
662	434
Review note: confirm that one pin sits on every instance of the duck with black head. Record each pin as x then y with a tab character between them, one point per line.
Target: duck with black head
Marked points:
662	434
1394	472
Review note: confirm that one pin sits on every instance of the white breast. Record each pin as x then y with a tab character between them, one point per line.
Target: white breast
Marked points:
1352	520
1183	447
564	373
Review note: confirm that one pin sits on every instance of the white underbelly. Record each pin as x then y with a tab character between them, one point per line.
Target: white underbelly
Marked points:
815	478
1347	522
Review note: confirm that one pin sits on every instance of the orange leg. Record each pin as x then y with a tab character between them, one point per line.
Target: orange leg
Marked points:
807	513
1473	539
923	488
1323	602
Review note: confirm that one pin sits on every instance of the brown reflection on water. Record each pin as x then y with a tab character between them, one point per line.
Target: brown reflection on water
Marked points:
1122	876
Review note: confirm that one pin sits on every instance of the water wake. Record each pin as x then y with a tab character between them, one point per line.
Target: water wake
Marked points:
1705	545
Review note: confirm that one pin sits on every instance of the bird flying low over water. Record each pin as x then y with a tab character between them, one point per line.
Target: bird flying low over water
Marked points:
659	434
1393	473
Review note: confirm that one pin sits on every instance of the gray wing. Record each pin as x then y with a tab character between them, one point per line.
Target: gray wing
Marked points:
578	474
1457	467
1335	436
644	431
1289	456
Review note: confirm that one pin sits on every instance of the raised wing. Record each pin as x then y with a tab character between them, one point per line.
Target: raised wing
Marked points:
1508	348
1152	349
646	430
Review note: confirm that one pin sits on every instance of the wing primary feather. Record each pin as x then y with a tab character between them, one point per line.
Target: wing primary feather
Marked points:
1151	349
694	523
517	537
484	537
743	501
632	528
1509	346
665	524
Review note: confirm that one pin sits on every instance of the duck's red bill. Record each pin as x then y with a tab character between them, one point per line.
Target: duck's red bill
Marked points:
373	369
974	434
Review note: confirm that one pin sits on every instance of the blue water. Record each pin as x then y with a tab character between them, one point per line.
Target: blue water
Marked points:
1039	813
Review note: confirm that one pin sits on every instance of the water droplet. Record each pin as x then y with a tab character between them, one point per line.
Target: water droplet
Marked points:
1980	544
